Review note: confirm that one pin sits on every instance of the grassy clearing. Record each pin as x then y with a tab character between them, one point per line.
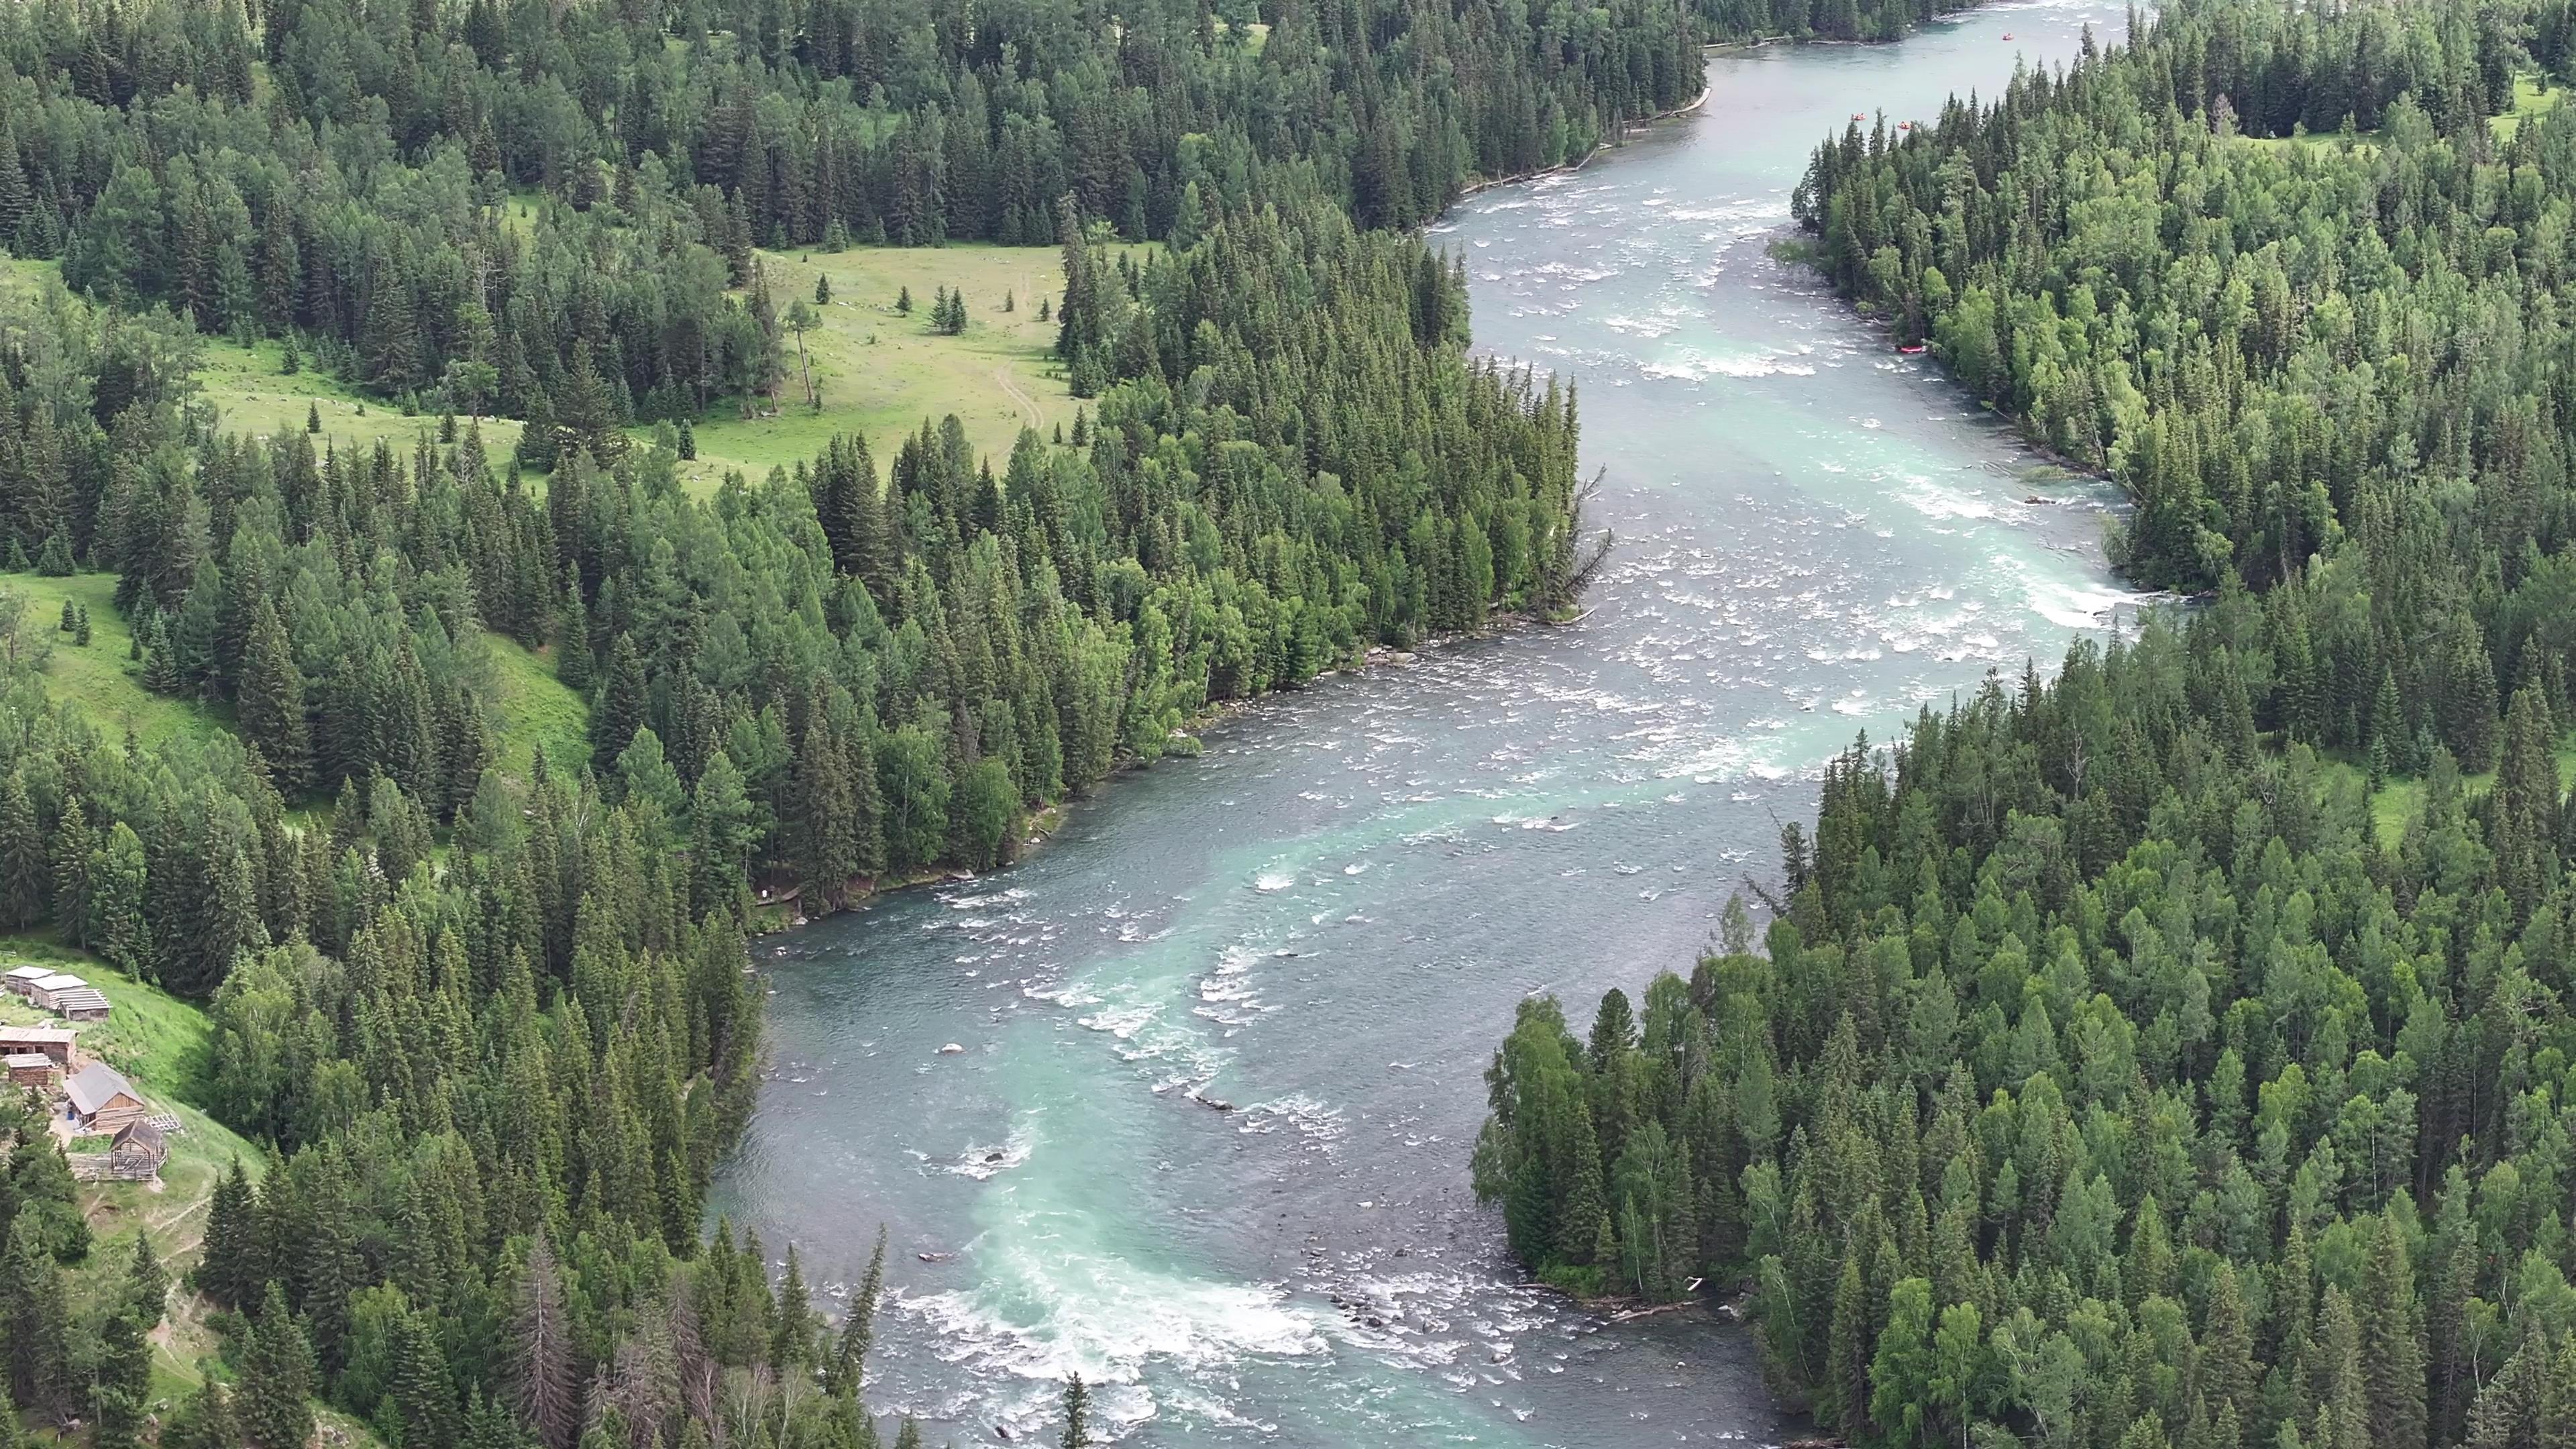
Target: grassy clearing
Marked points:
251	392
2400	797
535	708
163	1045
882	372
2533	97
106	685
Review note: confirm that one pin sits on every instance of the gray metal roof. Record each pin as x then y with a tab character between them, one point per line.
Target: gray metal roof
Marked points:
96	1085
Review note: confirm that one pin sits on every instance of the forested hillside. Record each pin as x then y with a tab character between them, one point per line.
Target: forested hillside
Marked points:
482	996
1742	20
2106	1076
334	170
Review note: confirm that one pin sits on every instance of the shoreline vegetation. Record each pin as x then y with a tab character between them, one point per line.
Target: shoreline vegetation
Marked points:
469	942
2111	1070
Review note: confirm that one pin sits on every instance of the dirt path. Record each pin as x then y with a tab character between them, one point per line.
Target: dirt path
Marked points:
1028	405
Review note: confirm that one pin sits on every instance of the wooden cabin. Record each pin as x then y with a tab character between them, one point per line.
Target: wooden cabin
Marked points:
21	980
82	1003
49	992
137	1151
30	1069
51	1042
102	1100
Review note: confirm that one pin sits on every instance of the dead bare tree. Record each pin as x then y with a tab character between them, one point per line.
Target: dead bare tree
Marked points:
1572	563
542	1390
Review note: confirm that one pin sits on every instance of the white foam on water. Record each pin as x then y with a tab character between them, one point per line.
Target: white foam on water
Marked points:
1274	880
1047	1306
1692	365
2073	603
1934	501
1320	1123
1122	1022
983	1161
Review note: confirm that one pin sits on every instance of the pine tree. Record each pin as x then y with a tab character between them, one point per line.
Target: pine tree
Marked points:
1077	1414
71	845
121	1386
34	1319
229	1271
847	1372
277	1373
540	1371
26	872
791	1340
160	666
2392	1327
270	702
420	1383
620	710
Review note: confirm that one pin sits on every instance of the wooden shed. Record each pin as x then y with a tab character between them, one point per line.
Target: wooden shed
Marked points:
29	1069
21	980
137	1151
101	1099
82	1003
51	1042
49	992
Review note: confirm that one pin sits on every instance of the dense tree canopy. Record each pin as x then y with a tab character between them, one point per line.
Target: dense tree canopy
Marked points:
2108	1075
358	201
487	1016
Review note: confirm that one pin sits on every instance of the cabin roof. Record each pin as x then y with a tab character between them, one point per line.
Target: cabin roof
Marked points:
96	1085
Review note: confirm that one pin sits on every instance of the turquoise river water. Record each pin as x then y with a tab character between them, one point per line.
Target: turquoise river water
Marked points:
1327	919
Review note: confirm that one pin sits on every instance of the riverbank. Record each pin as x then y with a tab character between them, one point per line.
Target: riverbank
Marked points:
780	912
1329	921
1568	168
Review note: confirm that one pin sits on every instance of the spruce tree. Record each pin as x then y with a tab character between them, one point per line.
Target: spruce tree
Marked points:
540	1370
620	708
277	1371
1077	1414
226	1272
26	870
270	702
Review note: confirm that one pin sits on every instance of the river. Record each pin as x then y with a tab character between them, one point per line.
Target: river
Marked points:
1327	919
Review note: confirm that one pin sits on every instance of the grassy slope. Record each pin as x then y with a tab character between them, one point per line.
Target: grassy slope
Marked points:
162	1044
2399	798
535	708
251	393
881	372
2533	96
530	704
106	685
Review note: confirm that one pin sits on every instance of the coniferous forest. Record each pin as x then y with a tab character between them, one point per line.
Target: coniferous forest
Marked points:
2124	1062
487	1016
